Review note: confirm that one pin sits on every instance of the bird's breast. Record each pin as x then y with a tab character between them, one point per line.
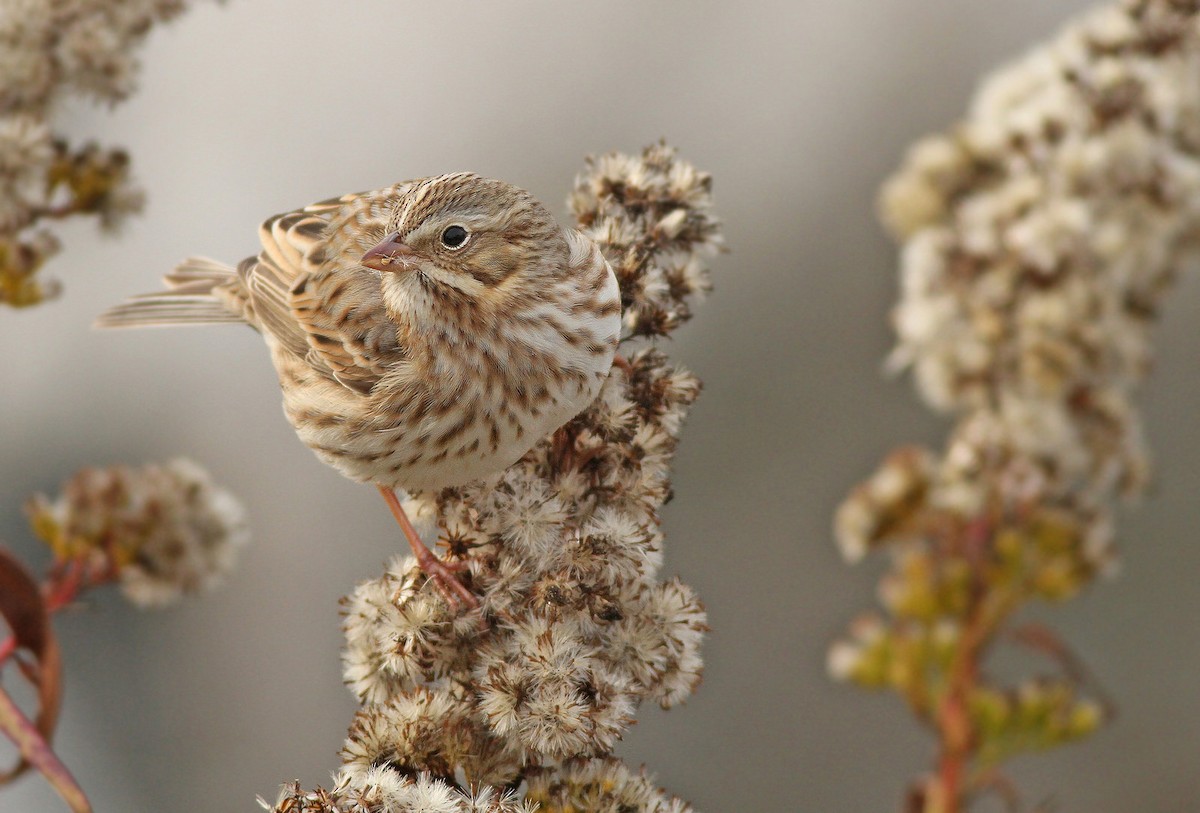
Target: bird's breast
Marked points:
468	416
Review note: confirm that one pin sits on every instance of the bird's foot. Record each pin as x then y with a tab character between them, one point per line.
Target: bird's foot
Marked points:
445	580
440	572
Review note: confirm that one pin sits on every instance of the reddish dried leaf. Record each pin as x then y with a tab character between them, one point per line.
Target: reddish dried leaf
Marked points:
22	606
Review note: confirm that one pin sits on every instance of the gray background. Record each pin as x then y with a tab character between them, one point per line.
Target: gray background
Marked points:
799	109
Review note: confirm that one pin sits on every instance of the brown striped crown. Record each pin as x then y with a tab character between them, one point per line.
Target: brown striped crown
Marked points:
506	229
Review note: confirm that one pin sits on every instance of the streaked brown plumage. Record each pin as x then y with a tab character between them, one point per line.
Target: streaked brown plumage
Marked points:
425	335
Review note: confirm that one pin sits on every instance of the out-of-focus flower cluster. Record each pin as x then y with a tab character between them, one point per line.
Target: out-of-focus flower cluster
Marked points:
575	627
1039	236
48	50
915	659
160	531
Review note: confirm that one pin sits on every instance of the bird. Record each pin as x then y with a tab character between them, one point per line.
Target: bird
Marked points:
425	335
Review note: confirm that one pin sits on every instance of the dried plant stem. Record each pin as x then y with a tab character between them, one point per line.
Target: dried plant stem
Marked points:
37	752
59	212
23	607
956	736
987	609
953	721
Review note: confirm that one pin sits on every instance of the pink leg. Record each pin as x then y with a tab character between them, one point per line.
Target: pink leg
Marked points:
441	573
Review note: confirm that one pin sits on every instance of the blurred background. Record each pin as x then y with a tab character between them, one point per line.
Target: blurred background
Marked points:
799	109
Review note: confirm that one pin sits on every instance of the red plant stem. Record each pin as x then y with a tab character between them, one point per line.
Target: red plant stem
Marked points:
956	735
60	593
957	740
37	752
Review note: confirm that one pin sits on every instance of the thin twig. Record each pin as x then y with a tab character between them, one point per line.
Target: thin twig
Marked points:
37	752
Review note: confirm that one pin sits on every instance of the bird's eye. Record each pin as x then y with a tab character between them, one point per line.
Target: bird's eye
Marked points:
454	237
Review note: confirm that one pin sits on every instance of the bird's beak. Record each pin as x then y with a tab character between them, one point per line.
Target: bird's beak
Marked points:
390	255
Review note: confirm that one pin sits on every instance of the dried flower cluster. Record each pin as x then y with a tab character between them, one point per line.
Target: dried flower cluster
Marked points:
161	531
650	212
48	50
578	786
1039	236
575	629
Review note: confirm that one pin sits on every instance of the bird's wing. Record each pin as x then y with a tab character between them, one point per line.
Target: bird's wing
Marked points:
287	241
308	289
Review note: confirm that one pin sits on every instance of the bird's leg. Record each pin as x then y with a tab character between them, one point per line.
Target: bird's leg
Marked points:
441	573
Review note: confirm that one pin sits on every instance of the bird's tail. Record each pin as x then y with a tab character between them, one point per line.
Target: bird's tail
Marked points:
188	300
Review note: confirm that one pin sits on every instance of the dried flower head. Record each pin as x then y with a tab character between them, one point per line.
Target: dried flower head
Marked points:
652	214
575	627
384	790
162	531
600	785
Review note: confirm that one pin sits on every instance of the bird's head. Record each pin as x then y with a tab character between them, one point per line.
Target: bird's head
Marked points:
469	238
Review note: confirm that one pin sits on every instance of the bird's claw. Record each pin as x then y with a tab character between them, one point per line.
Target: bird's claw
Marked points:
448	585
456	595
